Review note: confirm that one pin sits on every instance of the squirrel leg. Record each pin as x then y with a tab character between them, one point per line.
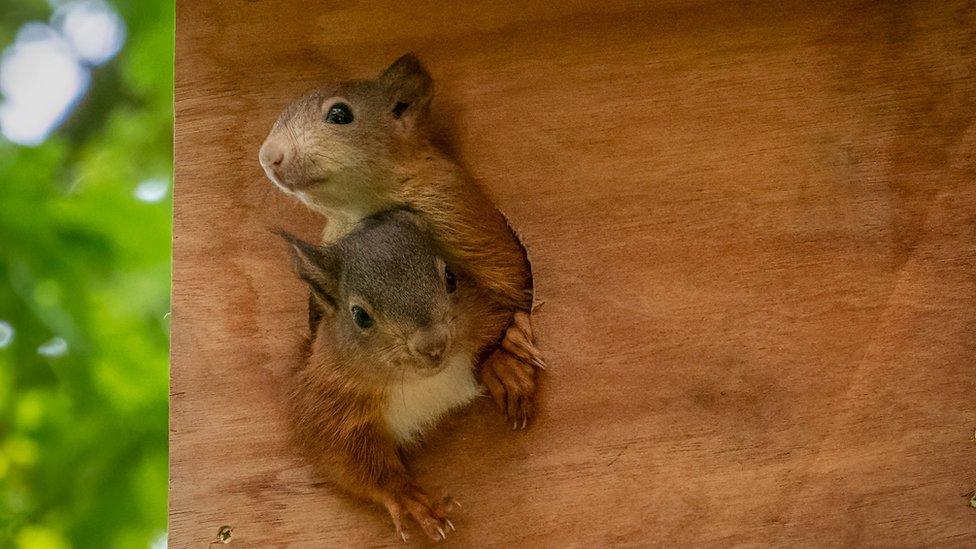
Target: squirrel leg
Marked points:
520	341
371	467
511	383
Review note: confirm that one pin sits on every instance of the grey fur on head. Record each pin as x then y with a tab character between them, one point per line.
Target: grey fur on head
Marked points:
388	261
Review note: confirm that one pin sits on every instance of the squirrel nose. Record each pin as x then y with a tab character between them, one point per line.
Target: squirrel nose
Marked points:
430	342
272	155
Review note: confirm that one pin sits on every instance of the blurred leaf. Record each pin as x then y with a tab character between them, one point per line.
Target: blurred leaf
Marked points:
83	436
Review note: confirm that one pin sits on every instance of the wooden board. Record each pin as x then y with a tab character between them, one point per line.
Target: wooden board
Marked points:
753	226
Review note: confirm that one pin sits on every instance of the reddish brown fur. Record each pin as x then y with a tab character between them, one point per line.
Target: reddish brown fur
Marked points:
388	160
472	230
477	236
337	414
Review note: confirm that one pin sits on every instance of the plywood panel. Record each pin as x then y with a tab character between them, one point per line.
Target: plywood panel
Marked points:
753	226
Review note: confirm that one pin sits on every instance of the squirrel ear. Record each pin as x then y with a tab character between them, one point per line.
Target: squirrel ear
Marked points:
317	266
408	87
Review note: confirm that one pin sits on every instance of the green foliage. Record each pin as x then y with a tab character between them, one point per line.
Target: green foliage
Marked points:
83	436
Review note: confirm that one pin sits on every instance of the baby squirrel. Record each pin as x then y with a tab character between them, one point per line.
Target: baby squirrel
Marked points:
394	350
352	149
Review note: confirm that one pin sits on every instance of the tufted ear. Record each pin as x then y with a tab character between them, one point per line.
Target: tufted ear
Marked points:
317	266
409	89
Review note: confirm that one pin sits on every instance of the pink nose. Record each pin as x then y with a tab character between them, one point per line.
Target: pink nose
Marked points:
430	342
272	155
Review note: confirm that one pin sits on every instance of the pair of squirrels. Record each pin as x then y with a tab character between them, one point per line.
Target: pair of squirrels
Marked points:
420	293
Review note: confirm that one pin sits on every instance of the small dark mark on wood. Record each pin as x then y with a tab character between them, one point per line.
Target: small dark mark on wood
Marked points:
616	457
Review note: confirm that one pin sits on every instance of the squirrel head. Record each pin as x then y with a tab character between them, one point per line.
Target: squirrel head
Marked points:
389	302
350	134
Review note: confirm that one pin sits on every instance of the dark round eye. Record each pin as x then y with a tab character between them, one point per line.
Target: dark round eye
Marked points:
361	317
339	114
450	280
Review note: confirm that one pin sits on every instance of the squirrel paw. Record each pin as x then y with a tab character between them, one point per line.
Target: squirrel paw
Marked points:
511	383
520	341
431	515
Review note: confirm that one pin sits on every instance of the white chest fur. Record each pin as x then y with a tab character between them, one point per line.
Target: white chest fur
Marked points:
415	406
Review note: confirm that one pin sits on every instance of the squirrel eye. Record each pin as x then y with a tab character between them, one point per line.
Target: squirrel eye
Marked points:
361	317
450	280
339	114
399	108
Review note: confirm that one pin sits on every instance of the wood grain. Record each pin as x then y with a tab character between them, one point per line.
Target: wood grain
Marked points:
753	226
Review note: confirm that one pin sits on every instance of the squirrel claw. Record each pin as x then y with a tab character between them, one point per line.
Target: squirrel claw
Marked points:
429	513
511	383
518	340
